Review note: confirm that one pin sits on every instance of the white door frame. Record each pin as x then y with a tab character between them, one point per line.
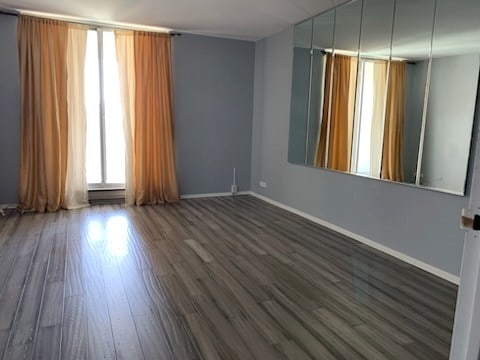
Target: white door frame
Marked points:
466	329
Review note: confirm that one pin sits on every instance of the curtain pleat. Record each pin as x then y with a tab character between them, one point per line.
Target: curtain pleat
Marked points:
44	115
392	162
154	160
76	189
124	41
336	130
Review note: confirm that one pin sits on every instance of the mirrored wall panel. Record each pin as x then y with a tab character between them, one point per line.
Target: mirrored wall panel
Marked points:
387	89
372	90
454	71
412	39
299	107
323	29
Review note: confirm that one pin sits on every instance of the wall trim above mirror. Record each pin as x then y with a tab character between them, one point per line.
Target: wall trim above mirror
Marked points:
387	89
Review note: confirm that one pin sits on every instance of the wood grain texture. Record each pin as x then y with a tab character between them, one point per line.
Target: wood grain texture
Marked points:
218	278
199	250
206	340
48	342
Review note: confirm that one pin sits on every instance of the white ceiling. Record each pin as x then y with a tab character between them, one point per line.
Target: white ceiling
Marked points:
240	19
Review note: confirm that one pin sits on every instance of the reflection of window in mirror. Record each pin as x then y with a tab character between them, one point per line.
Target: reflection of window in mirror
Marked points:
361	126
363	143
370	118
377	146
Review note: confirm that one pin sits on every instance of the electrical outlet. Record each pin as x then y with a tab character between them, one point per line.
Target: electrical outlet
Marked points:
263	184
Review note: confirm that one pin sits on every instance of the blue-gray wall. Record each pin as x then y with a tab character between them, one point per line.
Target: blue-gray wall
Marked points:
416	84
416	222
213	86
316	105
299	105
9	110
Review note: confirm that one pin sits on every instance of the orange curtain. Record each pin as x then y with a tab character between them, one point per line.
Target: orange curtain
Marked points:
392	160
154	159
336	131
44	128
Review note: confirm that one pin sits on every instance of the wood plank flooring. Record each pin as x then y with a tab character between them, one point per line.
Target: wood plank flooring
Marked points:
219	278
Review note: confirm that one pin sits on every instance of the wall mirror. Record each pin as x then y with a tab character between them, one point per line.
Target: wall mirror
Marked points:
387	89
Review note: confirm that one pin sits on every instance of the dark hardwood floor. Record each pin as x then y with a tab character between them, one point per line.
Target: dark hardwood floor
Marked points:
220	278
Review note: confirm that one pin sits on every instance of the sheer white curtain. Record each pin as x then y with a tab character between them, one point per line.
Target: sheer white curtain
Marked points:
124	41
76	188
378	115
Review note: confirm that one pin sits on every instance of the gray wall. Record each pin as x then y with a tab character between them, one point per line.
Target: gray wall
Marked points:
416	81
316	105
299	105
419	223
213	88
9	110
451	104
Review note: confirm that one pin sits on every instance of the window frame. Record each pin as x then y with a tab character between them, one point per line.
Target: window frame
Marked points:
103	185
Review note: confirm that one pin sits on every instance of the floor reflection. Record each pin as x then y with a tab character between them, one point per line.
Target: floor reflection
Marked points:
361	285
113	234
117	236
95	232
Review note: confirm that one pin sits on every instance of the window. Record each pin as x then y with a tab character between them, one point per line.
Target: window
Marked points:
105	138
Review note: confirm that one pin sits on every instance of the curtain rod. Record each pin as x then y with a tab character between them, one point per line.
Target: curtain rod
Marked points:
9	12
359	55
92	23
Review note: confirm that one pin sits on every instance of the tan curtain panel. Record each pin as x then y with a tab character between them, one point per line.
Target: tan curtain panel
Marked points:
392	162
44	121
154	158
336	131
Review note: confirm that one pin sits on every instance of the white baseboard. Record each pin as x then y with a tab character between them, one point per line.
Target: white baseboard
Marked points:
198	196
385	249
8	206
4	207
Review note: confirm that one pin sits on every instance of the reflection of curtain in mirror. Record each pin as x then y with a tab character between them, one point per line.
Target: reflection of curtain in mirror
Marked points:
338	112
378	115
392	163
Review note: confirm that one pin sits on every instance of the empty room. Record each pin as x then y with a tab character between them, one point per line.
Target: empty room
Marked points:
268	179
